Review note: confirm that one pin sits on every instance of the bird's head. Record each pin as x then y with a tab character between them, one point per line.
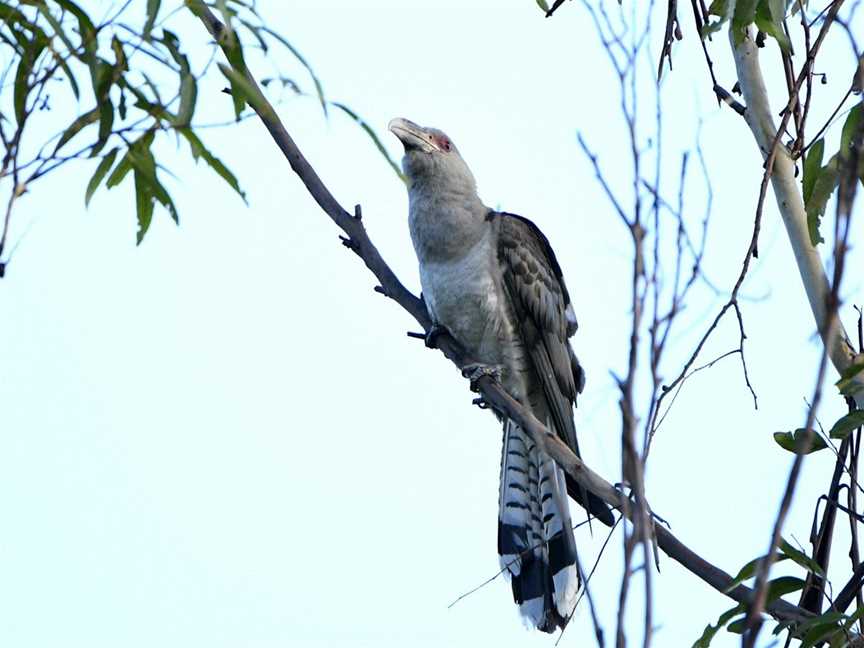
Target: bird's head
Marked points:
431	158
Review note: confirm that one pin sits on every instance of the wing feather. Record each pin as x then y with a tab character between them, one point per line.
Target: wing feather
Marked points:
534	282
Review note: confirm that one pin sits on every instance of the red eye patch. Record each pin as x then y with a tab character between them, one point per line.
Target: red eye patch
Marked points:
442	142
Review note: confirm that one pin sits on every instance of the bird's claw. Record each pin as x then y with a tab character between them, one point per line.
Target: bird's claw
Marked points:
481	403
475	371
432	335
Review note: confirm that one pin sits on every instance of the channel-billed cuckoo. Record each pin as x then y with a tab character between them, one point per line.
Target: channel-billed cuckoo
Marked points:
492	281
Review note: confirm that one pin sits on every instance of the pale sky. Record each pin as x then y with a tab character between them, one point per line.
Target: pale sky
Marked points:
224	437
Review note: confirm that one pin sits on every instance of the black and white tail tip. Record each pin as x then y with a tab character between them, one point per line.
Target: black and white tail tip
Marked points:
535	536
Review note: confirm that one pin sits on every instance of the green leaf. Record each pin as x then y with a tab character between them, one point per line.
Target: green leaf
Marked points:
120	62
124	166
743	15
842	428
153	88
794	441
542	4
737	626
144	164
32	52
748	571
85	27
61	61
188	98
812	168
200	151
240	86
242	90
73	83
170	40
782	586
22	88
76	126
148	189
106	124
823	187
144	201
710	630
104	164
101	76
12	16
318	88
839	640
820	628
256	32
800	558
152	13
188	83
769	18
56	26
847	384
722	9
372	135
850	127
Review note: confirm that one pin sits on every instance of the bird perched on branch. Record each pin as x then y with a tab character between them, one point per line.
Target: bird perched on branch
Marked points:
492	281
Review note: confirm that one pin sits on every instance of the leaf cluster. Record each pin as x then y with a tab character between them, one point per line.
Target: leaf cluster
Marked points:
831	627
135	88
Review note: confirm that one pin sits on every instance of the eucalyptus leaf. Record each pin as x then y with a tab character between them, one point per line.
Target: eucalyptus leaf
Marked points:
319	89
710	630
783	585
372	135
200	151
242	90
848	385
188	98
737	626
104	164
794	441
748	571
842	428
152	14
823	187
769	18
743	15
800	558
144	202
850	126
821	630
90	117
812	168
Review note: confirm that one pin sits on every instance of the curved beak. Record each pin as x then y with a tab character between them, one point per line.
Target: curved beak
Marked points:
412	135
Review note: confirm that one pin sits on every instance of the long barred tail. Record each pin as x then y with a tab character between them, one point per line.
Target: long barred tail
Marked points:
535	537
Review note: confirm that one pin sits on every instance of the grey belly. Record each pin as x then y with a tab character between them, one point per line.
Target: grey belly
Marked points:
480	322
474	325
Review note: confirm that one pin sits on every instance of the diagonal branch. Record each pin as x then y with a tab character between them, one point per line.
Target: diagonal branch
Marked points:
492	392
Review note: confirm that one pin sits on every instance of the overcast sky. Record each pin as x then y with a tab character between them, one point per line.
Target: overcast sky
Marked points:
224	437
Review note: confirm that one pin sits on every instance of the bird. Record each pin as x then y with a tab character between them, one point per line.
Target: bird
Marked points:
491	280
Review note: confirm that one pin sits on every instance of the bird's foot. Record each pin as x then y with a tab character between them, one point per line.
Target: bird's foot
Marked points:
481	403
475	371
432	335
